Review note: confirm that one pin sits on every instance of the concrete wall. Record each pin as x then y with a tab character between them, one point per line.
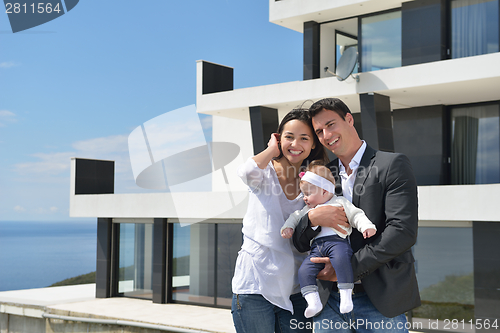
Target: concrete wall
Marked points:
4	322
10	323
21	324
59	326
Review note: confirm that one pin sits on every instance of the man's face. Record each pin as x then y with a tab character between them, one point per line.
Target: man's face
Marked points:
335	133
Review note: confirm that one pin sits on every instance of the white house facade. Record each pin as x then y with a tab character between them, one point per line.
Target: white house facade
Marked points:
426	84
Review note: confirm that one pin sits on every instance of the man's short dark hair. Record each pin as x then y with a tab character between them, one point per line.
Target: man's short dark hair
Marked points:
332	104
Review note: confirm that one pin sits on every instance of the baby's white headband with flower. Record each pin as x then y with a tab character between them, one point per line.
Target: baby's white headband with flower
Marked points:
317	180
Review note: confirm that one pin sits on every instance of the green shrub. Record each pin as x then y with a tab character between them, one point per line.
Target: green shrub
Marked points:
80	279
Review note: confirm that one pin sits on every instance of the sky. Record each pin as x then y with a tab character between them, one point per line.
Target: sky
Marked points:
77	86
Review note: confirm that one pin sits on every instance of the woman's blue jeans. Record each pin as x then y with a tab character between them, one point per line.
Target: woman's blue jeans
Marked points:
252	313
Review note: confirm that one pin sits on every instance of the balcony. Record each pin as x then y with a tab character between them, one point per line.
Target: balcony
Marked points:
447	82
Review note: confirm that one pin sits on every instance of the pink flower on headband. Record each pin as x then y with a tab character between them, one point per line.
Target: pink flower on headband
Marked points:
302	174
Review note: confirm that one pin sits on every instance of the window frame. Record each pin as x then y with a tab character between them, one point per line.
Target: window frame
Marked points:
115	255
169	258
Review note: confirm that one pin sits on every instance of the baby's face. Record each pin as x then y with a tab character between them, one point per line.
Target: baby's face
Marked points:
313	195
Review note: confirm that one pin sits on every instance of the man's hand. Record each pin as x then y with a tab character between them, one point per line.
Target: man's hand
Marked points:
329	216
327	273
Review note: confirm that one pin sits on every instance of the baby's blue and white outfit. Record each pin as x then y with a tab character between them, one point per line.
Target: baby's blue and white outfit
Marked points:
329	242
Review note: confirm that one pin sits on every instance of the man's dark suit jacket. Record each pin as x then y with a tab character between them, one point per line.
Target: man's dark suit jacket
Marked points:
385	188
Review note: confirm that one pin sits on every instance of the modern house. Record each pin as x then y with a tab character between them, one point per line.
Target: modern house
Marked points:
426	84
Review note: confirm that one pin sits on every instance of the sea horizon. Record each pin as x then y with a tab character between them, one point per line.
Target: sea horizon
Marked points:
37	254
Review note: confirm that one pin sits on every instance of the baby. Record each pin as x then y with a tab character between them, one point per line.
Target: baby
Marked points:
318	187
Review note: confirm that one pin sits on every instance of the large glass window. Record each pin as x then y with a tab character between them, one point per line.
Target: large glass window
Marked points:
336	37
475	151
474	27
193	263
135	260
445	274
381	41
204	256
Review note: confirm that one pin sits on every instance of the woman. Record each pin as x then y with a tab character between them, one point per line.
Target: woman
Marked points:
265	286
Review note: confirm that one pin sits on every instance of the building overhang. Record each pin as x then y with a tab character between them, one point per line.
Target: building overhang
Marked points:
447	82
88	200
197	205
436	203
292	14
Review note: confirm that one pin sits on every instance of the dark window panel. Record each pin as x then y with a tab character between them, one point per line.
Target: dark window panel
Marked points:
216	78
418	133
311	50
423	31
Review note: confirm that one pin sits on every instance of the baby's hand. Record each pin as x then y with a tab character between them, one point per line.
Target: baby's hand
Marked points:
369	232
287	233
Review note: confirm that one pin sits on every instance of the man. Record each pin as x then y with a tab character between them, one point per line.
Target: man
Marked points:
383	185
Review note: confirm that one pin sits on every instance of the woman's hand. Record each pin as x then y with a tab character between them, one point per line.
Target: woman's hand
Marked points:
274	144
329	216
273	150
327	273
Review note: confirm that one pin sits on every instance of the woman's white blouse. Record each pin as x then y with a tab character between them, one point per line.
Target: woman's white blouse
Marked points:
267	264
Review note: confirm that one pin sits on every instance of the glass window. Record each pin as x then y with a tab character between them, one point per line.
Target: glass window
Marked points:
193	263
197	250
381	41
474	28
445	274
344	42
135	260
335	37
475	151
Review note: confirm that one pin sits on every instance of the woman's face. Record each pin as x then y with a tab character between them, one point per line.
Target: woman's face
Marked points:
296	141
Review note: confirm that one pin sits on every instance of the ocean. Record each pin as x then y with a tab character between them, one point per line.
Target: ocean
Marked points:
38	254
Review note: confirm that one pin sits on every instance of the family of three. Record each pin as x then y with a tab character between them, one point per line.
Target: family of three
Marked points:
299	226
